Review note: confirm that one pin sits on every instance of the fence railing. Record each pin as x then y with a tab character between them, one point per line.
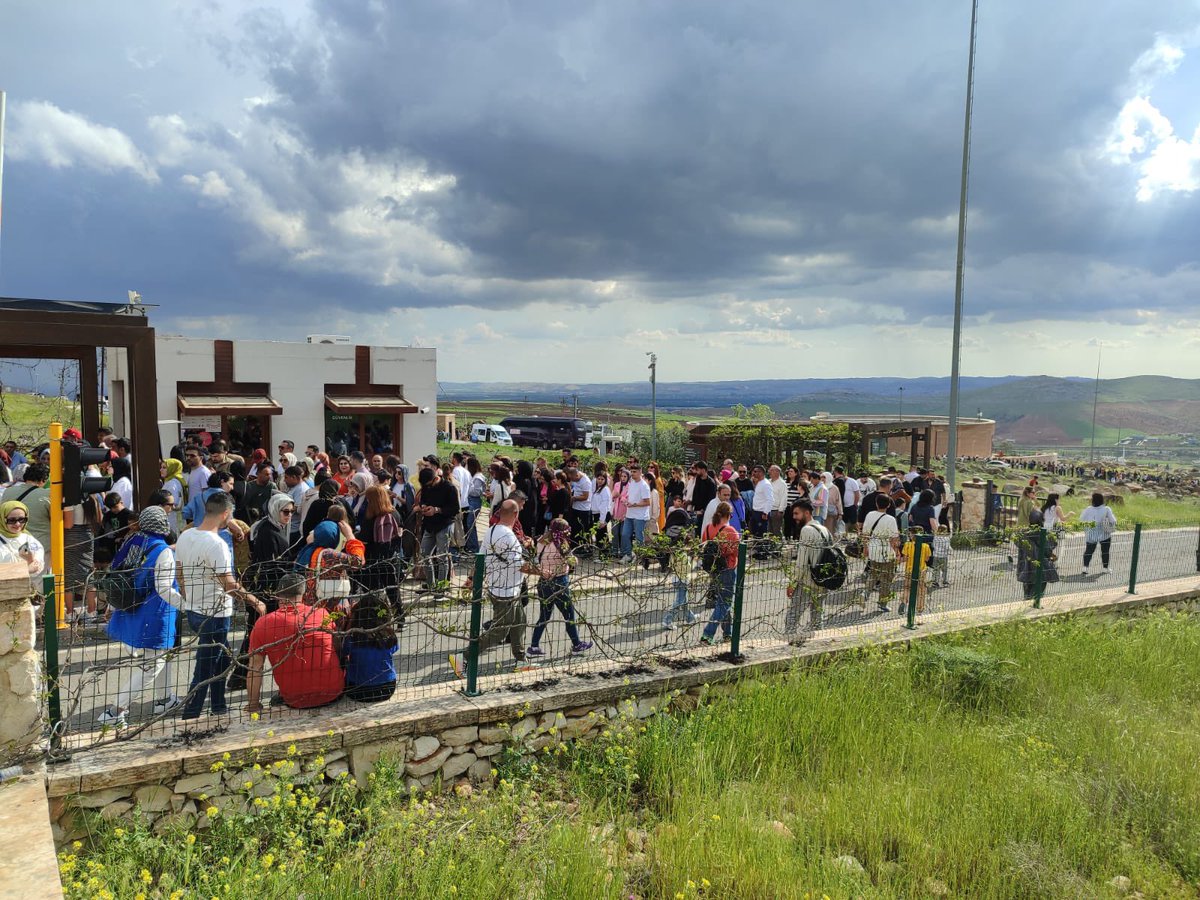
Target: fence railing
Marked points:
384	630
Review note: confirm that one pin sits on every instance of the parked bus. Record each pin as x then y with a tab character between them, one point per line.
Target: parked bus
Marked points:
548	432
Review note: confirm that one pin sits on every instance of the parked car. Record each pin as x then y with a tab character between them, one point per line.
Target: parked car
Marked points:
490	434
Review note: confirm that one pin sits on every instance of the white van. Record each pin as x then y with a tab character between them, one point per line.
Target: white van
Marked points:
490	434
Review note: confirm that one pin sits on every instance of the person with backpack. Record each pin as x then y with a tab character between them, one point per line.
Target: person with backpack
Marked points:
678	559
818	565
382	534
147	620
554	587
719	543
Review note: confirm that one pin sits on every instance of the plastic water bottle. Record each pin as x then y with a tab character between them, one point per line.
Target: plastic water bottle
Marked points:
11	772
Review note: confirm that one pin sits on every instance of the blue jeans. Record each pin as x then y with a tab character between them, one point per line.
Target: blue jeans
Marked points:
680	605
632	530
435	548
212	659
720	616
474	504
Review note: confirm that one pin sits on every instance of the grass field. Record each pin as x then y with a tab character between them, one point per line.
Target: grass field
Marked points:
1052	759
25	418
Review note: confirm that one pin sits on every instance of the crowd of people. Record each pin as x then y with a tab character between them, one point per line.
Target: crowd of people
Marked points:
315	549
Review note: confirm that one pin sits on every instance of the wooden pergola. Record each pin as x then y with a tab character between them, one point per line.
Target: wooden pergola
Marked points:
74	330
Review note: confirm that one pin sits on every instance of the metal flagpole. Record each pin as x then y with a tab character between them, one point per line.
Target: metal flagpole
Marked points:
1096	402
956	352
653	405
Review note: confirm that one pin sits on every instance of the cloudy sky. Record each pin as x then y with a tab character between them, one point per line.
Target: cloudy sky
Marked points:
547	190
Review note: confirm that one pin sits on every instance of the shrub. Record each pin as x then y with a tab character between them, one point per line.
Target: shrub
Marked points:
967	677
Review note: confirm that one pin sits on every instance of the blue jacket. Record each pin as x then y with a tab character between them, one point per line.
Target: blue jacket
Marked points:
152	625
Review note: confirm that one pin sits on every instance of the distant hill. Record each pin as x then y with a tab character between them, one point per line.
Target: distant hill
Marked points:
709	394
1038	410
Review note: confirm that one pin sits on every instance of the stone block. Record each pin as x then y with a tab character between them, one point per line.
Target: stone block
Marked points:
551	720
458	737
153	798
524	728
264	788
457	765
100	799
577	728
487	750
182	820
364	757
489	734
543	741
425	746
430	764
648	706
576	711
338	769
481	770
17	630
229	803
116	809
203	783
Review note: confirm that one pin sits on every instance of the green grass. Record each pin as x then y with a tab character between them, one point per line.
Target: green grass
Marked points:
25	418
1153	512
1036	760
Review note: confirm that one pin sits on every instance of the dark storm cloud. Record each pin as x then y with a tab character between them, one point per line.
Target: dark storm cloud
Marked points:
803	154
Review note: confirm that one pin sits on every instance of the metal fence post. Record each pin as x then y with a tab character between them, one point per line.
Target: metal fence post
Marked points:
735	641
914	579
50	649
1039	576
1137	546
476	618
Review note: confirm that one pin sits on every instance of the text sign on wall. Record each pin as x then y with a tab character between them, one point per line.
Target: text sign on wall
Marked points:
201	423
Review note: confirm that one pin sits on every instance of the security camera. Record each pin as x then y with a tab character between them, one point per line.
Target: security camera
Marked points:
424	410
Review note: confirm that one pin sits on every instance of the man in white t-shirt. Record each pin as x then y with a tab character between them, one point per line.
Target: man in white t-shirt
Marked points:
637	512
502	576
851	497
209	587
724	494
882	534
581	504
462	478
779	493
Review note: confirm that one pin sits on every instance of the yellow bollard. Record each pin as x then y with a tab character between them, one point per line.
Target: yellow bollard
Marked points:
57	546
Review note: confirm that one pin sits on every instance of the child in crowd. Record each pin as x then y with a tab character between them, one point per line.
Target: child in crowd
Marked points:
368	649
939	563
907	553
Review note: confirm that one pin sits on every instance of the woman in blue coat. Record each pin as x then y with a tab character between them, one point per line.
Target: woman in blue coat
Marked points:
149	626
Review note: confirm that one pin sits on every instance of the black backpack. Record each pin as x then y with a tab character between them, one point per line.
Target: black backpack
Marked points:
712	560
126	588
831	568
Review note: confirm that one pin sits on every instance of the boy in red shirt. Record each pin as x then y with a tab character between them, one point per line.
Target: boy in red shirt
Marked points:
298	639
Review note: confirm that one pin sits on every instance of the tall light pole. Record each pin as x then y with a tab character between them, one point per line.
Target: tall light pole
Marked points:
653	405
956	350
902	404
1096	402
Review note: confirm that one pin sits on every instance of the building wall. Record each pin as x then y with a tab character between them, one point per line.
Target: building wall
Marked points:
974	439
297	373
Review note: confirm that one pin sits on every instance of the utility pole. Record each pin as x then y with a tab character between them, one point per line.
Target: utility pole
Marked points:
901	403
575	406
653	405
956	350
1096	402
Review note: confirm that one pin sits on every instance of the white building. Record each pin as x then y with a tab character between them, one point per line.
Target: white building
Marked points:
338	396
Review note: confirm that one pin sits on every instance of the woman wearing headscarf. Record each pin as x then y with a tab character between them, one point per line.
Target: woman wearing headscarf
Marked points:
356	493
16	543
122	476
270	560
531	511
286	460
173	482
151	625
331	554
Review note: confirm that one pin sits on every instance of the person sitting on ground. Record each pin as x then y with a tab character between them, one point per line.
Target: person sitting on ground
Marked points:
368	648
331	554
298	639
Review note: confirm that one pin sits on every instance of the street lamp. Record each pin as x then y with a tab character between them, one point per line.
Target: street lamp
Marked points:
901	404
653	404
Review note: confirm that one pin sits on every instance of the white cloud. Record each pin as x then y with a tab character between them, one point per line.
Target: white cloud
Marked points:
61	139
1143	137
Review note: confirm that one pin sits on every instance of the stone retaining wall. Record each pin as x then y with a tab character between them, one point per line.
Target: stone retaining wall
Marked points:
461	753
448	740
20	667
